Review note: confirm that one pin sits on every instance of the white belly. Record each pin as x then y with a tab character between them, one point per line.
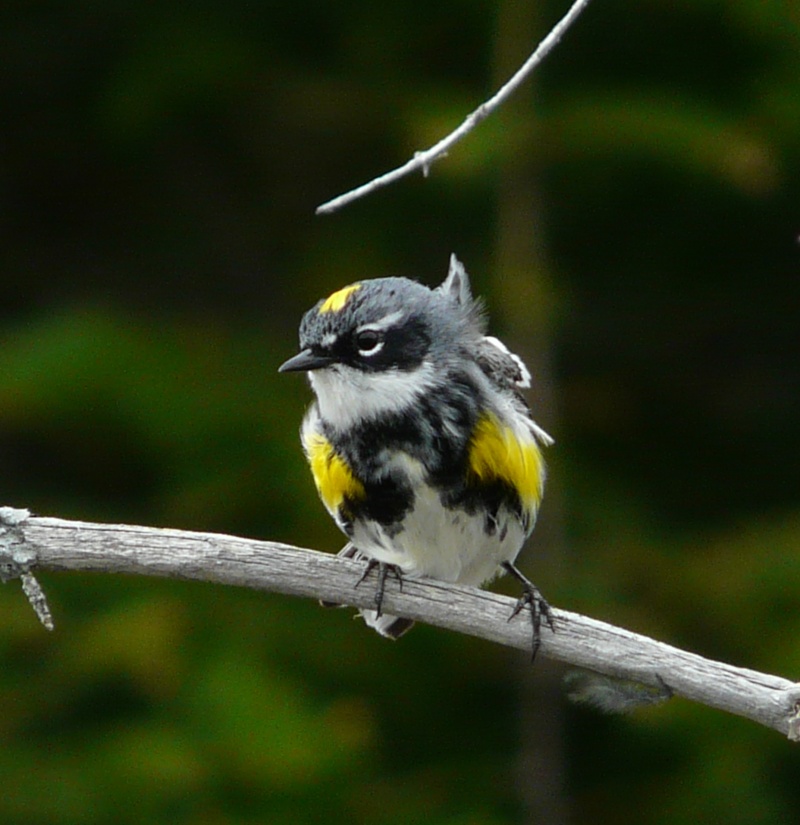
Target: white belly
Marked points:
450	545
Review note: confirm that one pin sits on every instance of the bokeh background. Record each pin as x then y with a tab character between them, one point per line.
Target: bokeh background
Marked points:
632	220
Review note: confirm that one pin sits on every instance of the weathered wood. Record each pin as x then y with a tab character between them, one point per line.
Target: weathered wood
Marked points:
57	544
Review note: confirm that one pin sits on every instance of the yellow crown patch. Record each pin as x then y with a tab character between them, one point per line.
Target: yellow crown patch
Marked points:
496	454
336	302
332	475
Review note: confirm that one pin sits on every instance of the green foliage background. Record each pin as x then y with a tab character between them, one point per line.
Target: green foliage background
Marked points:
159	167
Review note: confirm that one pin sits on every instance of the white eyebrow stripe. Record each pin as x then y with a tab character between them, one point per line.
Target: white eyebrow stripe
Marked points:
380	325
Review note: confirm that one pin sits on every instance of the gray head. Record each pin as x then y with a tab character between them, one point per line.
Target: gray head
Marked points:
377	344
387	323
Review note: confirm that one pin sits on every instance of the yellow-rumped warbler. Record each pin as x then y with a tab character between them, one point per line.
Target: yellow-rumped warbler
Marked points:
420	443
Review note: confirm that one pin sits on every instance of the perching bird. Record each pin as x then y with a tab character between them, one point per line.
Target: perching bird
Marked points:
421	445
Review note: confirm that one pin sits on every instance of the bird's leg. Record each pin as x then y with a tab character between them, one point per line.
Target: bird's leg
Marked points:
540	609
384	569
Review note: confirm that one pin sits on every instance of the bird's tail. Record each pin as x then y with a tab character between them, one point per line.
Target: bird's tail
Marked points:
393	627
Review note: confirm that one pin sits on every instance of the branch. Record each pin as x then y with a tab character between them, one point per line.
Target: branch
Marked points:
56	544
423	160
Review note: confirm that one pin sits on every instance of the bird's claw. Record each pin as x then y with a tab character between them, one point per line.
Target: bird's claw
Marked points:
384	569
540	608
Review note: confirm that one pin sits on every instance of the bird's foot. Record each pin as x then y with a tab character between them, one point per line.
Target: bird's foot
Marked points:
384	569
540	610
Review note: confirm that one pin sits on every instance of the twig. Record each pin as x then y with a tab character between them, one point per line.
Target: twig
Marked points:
423	160
57	544
16	560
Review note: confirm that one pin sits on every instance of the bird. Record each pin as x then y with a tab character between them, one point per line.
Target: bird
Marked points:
420	442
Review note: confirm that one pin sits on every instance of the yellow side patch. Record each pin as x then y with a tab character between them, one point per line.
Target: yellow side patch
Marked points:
335	302
334	478
496	454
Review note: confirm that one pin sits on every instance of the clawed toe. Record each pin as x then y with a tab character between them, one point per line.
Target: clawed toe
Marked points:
540	609
384	570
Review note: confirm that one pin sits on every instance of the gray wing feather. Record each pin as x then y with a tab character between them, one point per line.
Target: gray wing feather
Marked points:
507	372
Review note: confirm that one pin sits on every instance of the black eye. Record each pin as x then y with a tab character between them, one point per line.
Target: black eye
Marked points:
367	341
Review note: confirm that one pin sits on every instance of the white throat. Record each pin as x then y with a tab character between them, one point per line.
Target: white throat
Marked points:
346	395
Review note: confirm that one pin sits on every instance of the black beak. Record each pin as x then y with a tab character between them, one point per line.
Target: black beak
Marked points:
305	361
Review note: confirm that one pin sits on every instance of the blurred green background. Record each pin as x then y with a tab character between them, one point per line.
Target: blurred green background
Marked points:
631	219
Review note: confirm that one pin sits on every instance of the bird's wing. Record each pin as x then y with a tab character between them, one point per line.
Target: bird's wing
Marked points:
507	373
504	369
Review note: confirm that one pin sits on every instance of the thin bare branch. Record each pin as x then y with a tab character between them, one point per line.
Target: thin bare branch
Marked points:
422	161
56	544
